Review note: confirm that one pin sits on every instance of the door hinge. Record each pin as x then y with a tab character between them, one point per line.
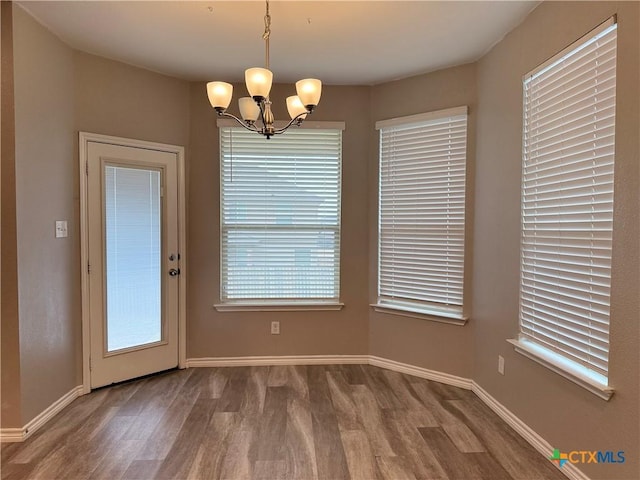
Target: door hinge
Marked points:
90	365
88	268
86	168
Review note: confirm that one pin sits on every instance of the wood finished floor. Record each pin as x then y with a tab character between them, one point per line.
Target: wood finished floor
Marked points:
304	422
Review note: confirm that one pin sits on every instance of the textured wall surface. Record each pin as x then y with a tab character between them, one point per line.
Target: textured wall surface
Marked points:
566	415
9	330
212	333
436	346
49	298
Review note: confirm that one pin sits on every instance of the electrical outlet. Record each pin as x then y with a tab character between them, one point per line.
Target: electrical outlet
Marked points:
500	364
275	328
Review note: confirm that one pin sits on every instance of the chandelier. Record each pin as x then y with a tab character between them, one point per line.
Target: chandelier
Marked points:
255	110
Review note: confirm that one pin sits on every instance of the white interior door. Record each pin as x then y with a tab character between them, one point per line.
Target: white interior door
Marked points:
134	263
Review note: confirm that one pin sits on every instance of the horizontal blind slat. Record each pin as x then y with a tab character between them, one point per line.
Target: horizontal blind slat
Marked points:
280	213
567	203
422	211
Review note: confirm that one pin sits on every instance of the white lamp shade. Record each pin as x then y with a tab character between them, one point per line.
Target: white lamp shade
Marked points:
219	94
249	109
295	107
309	91
258	81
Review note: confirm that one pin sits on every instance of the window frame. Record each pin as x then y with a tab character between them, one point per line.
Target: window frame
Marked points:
430	311
288	304
525	344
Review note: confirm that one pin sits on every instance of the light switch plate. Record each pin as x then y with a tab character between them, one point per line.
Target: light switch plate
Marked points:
61	229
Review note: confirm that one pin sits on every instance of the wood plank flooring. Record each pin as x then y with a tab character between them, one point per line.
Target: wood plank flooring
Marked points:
304	422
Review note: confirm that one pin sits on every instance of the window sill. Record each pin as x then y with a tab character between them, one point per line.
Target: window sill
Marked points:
562	367
278	307
434	315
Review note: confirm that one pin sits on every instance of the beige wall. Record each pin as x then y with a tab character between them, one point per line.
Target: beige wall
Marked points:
47	267
211	333
435	346
113	98
58	92
9	329
564	414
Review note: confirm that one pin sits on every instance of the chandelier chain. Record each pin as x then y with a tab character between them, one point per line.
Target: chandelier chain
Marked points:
267	34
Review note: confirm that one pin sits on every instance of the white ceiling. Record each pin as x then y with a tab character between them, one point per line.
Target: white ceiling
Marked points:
340	42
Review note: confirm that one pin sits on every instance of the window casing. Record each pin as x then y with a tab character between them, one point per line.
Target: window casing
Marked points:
280	216
567	208
421	215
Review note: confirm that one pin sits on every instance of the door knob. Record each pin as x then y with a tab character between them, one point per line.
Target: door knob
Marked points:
174	271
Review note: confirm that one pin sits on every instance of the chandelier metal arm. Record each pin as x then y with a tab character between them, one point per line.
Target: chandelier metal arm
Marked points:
249	126
297	120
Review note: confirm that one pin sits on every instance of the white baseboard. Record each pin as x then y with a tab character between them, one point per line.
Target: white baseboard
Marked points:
276	360
21	434
331	360
440	377
10	435
535	440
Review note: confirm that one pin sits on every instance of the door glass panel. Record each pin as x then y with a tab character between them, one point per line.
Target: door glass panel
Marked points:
133	256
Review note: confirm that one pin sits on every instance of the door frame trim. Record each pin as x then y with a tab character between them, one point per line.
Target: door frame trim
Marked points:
83	139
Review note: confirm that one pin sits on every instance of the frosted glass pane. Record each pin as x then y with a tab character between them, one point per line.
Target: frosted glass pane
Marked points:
133	260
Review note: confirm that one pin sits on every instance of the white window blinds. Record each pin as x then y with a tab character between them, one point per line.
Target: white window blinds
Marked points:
422	211
280	215
567	202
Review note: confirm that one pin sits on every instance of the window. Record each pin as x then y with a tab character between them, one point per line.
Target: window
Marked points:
567	209
280	216
421	219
